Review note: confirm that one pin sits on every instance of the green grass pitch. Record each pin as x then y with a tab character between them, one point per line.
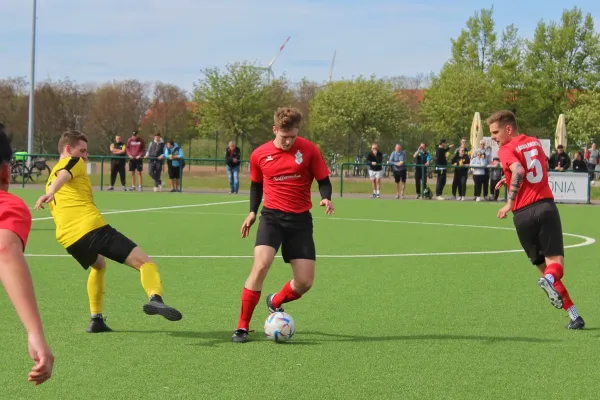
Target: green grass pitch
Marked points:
403	311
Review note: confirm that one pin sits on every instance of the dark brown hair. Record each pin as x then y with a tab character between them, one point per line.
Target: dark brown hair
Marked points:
503	118
287	118
71	138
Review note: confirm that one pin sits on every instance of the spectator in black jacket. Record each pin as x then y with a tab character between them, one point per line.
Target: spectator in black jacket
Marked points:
375	161
232	159
441	163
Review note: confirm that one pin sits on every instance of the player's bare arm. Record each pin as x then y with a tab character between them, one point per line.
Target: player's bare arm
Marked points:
256	194
62	177
518	174
16	278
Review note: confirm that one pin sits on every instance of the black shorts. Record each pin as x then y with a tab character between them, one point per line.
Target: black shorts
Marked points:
105	241
136	164
293	232
174	172
540	231
400	175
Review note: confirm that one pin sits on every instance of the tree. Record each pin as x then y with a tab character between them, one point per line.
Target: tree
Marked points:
230	101
117	108
562	58
455	95
170	113
14	110
583	121
475	47
366	109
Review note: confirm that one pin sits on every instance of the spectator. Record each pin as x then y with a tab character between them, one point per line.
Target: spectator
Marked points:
579	164
463	145
135	148
422	159
593	158
461	161
175	163
375	161
562	161
441	169
156	154
487	152
495	177
232	159
117	165
479	162
398	162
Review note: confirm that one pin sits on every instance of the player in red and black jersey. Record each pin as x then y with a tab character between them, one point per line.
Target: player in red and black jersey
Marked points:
283	169
535	215
15	224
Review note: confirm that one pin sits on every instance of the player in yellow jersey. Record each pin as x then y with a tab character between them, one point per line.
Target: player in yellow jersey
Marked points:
82	231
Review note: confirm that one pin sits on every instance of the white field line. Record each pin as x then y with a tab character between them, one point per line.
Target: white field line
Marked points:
586	240
159	208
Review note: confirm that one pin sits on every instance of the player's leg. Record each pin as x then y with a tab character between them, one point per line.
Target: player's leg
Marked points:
551	243
95	290
268	239
121	249
298	249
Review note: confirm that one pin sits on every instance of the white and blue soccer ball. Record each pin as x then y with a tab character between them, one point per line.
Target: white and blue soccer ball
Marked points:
280	327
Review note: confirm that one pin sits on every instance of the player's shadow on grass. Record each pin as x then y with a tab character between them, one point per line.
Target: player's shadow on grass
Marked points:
400	338
212	338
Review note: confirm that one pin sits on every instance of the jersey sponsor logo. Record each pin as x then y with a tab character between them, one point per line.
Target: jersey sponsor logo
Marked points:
269	158
286	177
298	157
528	145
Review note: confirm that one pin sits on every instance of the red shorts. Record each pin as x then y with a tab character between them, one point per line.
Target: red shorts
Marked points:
15	216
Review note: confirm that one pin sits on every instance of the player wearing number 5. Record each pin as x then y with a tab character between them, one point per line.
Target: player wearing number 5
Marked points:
535	215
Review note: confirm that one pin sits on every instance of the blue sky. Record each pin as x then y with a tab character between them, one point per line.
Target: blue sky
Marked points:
172	40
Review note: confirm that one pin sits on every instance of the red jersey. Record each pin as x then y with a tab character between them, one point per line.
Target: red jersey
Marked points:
287	176
527	151
15	216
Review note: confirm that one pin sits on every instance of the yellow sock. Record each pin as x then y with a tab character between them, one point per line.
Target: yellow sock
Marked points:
151	279
95	288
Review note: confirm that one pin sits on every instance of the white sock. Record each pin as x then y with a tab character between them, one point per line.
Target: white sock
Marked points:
550	278
377	191
573	313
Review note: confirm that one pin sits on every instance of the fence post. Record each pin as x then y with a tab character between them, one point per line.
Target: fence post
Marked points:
101	173
342	180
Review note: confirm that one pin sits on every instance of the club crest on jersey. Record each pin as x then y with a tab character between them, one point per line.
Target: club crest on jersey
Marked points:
298	157
269	158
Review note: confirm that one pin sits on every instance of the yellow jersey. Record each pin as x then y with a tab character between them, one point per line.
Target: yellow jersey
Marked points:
73	208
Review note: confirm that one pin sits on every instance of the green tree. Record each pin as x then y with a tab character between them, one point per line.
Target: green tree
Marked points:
367	109
563	58
231	101
475	47
454	97
583	120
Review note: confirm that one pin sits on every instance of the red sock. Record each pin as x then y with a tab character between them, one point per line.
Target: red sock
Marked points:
250	299
560	288
556	270
285	295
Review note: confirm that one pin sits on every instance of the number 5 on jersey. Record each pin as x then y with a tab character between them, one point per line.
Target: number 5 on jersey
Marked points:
535	173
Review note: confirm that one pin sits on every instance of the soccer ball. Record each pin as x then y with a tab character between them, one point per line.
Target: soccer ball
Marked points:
280	327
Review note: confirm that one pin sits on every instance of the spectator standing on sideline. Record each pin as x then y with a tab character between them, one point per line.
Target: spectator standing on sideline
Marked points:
579	164
233	158
495	176
135	149
560	159
175	164
422	157
441	170
117	165
479	164
461	161
592	157
375	159
156	153
398	162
